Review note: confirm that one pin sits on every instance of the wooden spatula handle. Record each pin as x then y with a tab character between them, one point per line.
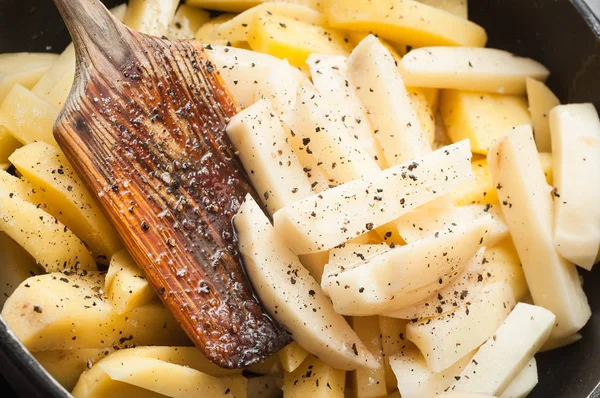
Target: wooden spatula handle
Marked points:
145	128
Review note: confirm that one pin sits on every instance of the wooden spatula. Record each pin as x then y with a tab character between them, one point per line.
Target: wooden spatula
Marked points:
144	126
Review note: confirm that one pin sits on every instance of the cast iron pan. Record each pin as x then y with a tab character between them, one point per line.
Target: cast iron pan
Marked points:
562	34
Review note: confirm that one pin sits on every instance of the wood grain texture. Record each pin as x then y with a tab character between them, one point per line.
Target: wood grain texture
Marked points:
145	128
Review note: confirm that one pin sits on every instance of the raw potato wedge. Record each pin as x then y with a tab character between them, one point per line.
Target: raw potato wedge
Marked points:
576	158
259	137
292	356
125	284
369	383
294	40
527	207
8	144
552	344
502	264
335	216
424	110
380	88
474	69
456	7
66	366
279	87
27	117
314	378
243	5
407	274
393	341
405	21
206	32
68	311
152	17
46	239
25	69
48	170
331	77
293	296
481	117
63	65
186	22
541	101
525	381
17	265
501	358
444	340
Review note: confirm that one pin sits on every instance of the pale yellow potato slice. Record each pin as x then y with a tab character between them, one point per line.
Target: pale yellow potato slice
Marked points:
475	69
576	159
425	110
25	69
279	87
152	17
456	7
125	284
369	383
292	356
380	88
553	344
66	366
405	21
292	296
502	264
186	22
525	381
315	263
206	32
17	265
446	339
261	141
63	65
243	5
8	144
314	378
527	207
541	101
393	341
335	216
502	357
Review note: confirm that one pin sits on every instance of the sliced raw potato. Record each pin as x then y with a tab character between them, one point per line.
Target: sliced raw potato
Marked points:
319	131
525	381
152	17
48	170
243	5
21	189
27	117
264	387
279	87
474	69
454	394
502	264
541	101
393	341
456	7
125	284
576	152
481	117
552	344
503	356
59	93
186	22
270	366
242	70
292	296
527	207
67	365
294	40
235	386
63	65
380	87
335	216
427	221
206	32
405	21
68	311
445	339
425	112
407	274
314	378
369	383
237	28
259	137
292	356
25	69
17	265
456	294
331	77
416	380
45	238
315	263
8	144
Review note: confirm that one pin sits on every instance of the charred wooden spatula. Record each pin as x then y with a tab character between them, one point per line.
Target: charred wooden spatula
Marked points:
144	126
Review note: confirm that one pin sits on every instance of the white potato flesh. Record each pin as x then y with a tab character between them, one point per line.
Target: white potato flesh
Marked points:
526	204
446	339
416	380
468	68
541	101
380	87
279	86
505	354
427	220
25	69
525	381
17	265
407	274
335	216
553	344
392	341
369	383
63	65
575	133
125	284
502	263
261	142
453	394
325	136
456	7
186	22
466	286
331	77
152	17
292	296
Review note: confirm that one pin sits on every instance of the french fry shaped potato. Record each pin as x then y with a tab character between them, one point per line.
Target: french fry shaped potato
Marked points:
125	284
206	32
186	22
527	207
502	264
405	21
425	111
502	357
393	341
25	69
48	170
243	5
63	65
152	17
279	87
525	381
541	101
369	383
446	339
68	311
330	218
456	7
314	378
67	365
8	144
292	296
576	159
292	356
474	69
17	265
